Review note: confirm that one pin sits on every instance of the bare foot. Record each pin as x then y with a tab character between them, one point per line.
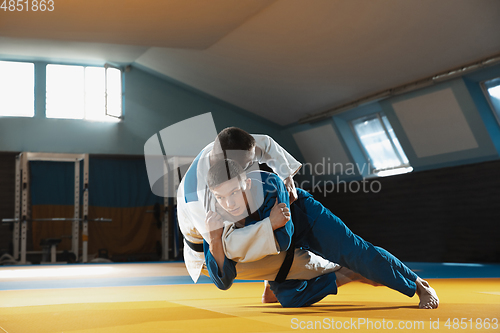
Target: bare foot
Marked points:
268	295
427	295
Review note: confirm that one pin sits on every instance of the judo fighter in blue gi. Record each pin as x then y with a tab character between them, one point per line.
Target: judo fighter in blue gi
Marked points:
246	199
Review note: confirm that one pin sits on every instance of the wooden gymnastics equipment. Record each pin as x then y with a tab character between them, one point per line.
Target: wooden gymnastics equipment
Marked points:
22	211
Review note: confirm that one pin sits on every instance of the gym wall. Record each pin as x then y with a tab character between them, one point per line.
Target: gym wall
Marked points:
446	210
442	215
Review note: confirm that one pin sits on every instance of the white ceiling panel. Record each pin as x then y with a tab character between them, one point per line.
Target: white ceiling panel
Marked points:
435	124
322	150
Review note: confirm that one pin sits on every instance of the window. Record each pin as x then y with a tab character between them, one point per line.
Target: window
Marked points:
381	146
78	92
17	89
492	90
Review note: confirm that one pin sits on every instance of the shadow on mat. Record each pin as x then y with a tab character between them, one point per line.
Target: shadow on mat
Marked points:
380	308
323	308
278	306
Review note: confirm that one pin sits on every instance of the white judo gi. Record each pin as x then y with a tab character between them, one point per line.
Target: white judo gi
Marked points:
193	197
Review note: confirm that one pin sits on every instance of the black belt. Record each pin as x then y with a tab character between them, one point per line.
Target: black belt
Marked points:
287	263
197	247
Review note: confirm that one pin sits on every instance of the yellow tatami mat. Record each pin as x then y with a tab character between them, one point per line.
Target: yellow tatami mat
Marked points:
471	305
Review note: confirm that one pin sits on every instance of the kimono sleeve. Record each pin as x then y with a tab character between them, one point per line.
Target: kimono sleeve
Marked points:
225	280
282	162
275	189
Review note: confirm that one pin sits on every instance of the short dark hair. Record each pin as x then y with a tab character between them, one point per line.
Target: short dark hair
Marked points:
234	138
224	170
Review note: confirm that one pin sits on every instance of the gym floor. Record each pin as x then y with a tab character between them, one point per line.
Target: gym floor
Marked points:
160	297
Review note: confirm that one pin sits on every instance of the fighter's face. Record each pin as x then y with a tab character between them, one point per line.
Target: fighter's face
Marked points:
230	196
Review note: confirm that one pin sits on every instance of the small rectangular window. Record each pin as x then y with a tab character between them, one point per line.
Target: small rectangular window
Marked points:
492	90
113	92
17	89
78	92
380	145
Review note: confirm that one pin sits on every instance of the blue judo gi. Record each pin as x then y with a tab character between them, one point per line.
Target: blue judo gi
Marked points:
315	228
